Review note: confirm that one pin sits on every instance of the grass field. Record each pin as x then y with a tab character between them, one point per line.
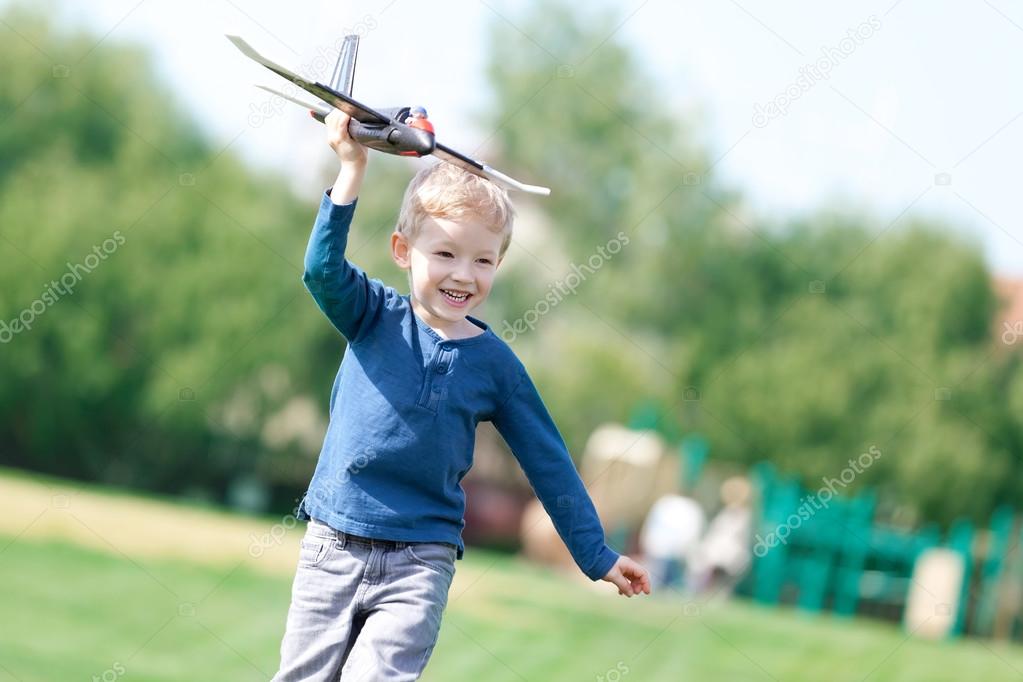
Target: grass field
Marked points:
78	612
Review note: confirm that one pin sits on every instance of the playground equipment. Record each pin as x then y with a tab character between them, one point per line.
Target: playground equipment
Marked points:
826	552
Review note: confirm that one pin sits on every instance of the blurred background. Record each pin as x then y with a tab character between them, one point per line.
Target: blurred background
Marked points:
774	304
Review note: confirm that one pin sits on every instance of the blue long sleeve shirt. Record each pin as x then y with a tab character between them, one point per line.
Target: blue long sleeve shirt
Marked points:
403	413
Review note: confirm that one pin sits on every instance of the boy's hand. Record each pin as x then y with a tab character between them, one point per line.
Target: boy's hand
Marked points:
629	577
348	150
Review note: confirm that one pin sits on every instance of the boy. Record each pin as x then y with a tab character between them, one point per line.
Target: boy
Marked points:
384	506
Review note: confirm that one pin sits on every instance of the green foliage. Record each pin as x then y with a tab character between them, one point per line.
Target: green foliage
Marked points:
189	327
803	343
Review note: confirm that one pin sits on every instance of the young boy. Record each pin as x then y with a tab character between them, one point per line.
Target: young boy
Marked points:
384	506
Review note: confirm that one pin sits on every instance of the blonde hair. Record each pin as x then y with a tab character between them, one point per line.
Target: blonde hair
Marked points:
446	191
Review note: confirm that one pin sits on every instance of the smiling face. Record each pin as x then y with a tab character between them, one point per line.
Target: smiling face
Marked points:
453	230
451	265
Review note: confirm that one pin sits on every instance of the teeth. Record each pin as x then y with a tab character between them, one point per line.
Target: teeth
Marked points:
457	297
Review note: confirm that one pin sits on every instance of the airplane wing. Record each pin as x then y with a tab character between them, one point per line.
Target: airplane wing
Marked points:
364	114
482	169
357	110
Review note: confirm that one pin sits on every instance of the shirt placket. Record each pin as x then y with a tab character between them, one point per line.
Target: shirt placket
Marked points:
435	388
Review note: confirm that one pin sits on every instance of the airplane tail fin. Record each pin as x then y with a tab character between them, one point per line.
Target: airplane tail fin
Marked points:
344	71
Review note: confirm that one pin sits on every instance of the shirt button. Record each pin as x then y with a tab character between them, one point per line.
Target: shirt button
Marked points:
441	369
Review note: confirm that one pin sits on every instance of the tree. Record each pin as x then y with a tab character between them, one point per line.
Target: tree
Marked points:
804	343
183	327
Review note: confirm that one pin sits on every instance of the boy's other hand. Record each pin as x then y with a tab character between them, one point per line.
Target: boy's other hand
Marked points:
348	150
629	577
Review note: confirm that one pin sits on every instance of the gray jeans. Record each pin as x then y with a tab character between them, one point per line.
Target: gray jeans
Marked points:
363	610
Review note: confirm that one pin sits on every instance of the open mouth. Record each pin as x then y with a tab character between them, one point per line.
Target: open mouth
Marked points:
456	298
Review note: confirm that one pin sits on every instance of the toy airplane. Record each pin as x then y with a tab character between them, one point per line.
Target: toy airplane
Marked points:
405	131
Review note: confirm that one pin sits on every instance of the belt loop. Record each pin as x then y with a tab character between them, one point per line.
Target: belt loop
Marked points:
342	539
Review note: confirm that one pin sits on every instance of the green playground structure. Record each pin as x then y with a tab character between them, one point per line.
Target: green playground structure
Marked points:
823	552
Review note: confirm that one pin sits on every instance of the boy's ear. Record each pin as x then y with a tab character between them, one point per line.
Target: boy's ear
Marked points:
400	250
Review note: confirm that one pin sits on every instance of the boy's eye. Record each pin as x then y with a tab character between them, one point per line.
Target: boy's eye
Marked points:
444	253
486	260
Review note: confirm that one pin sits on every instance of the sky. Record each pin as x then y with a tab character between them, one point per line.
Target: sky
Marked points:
895	109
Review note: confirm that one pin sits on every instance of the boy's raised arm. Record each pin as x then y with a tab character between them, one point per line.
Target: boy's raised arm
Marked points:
342	290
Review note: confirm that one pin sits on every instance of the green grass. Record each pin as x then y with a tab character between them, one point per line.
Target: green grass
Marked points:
72	613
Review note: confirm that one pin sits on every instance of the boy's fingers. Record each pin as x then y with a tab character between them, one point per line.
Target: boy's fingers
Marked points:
624	586
630	578
337	120
639	578
342	124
